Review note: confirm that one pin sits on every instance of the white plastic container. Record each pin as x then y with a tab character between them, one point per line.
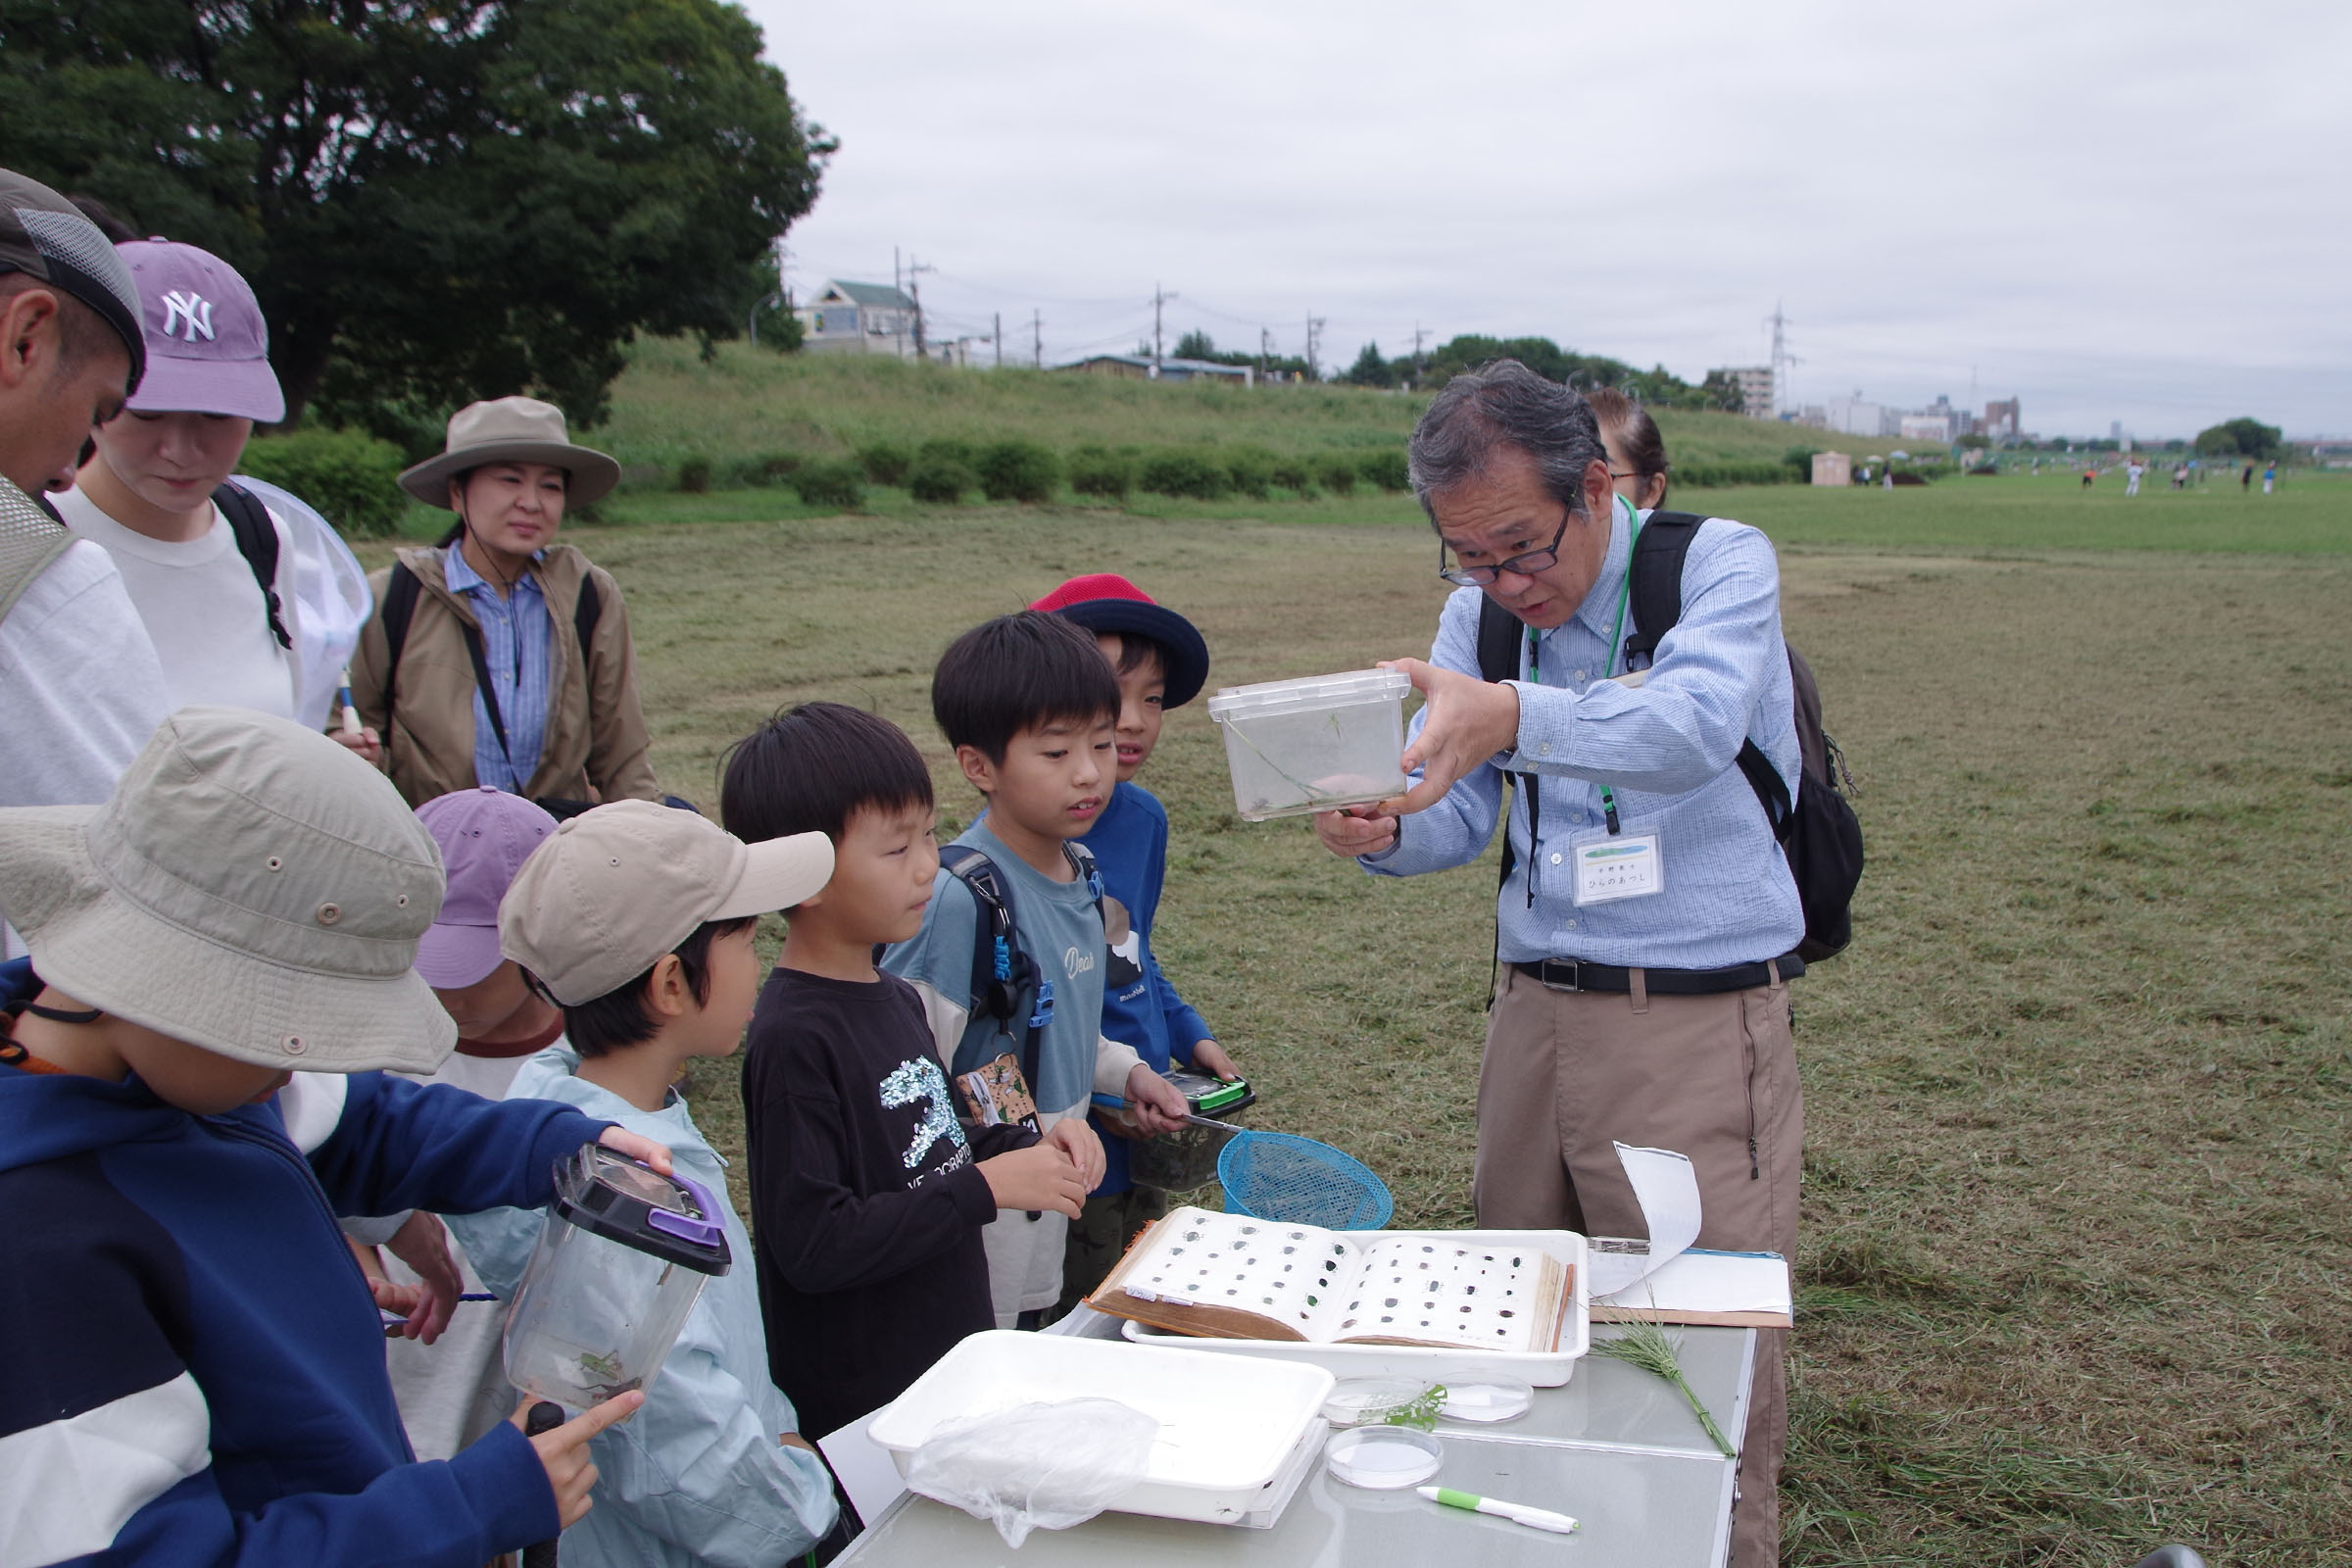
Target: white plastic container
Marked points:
1540	1369
1313	743
1230	1432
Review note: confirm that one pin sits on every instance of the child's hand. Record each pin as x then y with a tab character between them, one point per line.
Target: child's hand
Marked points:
401	1300
1040	1177
423	1243
1075	1137
563	1451
1153	1104
637	1146
1208	1057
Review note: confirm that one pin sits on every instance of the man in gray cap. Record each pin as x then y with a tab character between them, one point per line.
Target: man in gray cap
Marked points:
80	687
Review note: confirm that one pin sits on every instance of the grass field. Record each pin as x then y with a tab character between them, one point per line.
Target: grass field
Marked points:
2076	1245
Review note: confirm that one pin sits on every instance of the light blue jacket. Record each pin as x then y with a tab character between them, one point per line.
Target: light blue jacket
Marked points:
697	1476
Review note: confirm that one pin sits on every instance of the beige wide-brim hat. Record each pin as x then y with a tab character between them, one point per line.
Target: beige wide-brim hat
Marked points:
252	888
512	431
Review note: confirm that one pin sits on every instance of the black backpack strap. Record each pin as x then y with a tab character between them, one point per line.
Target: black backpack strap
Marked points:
256	541
401	589
586	611
482	684
1002	974
1501	635
1657	593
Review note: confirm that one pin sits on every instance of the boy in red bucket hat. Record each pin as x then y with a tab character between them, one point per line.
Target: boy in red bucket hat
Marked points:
1162	663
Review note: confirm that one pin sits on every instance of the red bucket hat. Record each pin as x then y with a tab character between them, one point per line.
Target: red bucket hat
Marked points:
1105	600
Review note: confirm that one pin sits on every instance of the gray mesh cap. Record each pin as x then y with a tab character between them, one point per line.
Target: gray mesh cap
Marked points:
47	236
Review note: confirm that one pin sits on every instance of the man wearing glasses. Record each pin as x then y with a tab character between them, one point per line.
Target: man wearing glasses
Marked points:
1646	929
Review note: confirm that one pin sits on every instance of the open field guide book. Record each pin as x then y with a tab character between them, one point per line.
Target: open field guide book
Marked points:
1232	1276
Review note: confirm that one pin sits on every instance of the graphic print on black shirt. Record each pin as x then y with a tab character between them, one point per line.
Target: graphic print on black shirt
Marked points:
919	1082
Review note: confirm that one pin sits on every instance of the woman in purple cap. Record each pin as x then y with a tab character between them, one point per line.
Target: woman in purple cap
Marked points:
211	567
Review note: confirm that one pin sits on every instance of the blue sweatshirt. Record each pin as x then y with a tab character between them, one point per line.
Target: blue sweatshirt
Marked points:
194	1370
1130	845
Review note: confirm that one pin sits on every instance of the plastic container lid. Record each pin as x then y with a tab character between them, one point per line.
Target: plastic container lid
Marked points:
670	1217
1210	1095
1310	692
1383	1458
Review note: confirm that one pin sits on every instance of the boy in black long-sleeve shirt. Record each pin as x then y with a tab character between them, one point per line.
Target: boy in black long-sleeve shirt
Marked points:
867	1194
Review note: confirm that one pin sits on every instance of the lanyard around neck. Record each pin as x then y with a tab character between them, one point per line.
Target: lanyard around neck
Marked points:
1625	588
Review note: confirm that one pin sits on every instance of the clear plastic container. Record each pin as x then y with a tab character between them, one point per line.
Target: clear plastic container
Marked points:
1314	744
620	1262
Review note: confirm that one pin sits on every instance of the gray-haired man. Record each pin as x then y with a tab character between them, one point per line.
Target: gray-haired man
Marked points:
80	688
1642	996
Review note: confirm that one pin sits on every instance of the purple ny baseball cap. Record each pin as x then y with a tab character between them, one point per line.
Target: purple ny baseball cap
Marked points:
208	348
485	835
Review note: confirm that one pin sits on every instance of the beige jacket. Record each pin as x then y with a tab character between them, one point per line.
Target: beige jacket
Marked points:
593	747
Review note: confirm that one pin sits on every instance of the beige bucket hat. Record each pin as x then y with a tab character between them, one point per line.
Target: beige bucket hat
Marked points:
252	888
512	431
598	905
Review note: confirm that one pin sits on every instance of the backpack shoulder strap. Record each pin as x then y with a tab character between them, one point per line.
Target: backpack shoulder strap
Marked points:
256	541
401	589
1500	633
996	975
586	611
1656	591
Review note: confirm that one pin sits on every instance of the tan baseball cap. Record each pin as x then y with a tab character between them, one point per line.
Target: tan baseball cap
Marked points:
252	888
617	887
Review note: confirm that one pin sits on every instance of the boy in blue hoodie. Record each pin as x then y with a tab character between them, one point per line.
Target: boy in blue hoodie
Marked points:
638	920
198	1376
1161	661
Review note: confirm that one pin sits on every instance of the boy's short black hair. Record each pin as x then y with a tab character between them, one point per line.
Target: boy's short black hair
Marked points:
813	767
1135	648
620	1019
1020	672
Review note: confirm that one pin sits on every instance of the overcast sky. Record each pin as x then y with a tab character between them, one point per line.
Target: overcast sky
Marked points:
2113	211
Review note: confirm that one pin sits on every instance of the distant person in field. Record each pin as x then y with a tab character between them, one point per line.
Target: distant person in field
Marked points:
2179	476
513	664
2270	476
2089	476
2245	480
2132	472
1637	451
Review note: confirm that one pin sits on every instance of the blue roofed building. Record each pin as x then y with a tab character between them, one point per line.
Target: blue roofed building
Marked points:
847	317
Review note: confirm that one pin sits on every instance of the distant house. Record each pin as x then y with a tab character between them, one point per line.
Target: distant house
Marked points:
1138	367
1757	395
849	318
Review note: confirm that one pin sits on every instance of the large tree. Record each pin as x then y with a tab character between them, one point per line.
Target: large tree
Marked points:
436	200
2241	437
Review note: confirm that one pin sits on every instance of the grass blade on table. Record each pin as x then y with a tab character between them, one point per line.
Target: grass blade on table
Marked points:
1650	1348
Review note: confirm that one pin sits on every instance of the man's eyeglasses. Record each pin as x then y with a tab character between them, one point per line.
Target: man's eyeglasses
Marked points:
1521	565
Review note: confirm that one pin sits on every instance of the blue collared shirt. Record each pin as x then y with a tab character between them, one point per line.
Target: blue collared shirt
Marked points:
517	631
1665	748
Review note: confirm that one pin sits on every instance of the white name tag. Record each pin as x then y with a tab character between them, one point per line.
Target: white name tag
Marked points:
1621	865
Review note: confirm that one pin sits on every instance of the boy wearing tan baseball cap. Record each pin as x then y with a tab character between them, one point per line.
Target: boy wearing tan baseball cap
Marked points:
202	1368
638	920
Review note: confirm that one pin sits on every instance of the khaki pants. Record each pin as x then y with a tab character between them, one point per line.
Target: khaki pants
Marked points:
1568	1074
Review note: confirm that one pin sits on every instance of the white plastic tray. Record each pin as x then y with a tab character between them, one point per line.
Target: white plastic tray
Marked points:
1228	1436
1543	1369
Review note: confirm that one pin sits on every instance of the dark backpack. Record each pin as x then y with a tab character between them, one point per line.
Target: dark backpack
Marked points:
256	541
1007	982
400	608
1821	835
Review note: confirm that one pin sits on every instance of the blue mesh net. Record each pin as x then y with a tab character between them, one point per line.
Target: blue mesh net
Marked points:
1277	1176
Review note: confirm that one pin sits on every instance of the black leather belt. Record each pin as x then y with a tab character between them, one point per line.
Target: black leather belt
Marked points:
1575	974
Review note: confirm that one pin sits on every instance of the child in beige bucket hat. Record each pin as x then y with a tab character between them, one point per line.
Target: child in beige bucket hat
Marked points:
248	902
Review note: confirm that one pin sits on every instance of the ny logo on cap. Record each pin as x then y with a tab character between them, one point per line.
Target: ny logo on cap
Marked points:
189	306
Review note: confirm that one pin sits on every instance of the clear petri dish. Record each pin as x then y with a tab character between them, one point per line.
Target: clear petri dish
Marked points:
1487	1403
1358	1401
1382	1458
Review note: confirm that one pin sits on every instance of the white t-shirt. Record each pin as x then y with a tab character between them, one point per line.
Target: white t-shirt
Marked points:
203	609
81	689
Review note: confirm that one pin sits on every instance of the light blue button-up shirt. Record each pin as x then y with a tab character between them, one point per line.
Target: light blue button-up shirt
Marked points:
517	631
1665	749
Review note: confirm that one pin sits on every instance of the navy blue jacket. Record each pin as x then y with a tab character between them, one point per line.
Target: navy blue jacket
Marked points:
193	1371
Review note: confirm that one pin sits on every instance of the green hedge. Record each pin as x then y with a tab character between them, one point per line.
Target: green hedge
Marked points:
940	476
352	479
1707	476
1100	471
830	482
1185	473
1017	471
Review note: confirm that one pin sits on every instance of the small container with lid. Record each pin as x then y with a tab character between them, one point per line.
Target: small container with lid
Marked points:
623	1258
1187	1158
1315	744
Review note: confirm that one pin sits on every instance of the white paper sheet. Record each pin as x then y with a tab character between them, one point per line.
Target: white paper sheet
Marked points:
863	1467
1667	1190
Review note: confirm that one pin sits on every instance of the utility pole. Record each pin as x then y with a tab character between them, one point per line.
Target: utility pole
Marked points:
1418	335
1780	356
1314	335
1159	298
915	292
998	338
1265	353
1037	339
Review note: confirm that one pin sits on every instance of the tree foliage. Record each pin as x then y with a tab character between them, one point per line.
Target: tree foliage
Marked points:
1370	369
2240	437
436	200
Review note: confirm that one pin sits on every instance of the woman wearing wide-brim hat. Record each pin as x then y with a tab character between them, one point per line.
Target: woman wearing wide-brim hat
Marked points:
500	656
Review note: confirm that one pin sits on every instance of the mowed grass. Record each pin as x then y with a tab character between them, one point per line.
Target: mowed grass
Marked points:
2076	1242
